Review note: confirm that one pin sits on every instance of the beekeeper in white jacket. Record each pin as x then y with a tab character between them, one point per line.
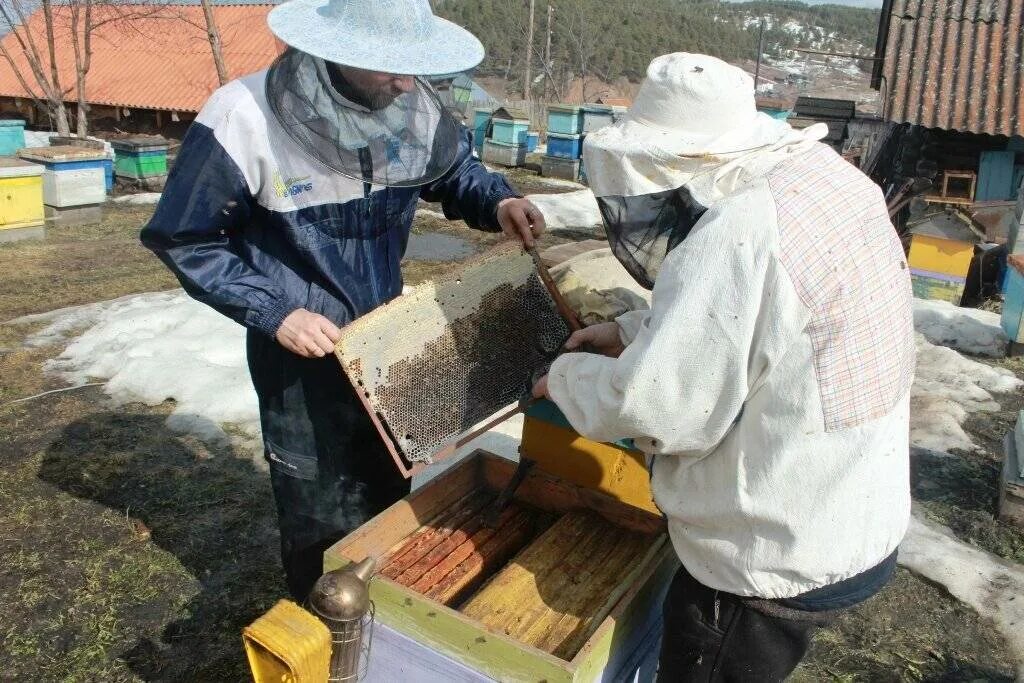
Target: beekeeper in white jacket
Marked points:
769	381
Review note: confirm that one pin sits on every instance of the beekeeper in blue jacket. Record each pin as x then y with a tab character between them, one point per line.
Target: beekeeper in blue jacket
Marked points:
289	209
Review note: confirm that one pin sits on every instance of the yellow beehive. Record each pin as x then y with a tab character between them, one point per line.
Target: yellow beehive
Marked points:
942	244
21	194
941	255
615	469
941	251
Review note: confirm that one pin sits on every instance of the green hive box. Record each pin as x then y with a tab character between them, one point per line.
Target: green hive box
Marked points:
141	157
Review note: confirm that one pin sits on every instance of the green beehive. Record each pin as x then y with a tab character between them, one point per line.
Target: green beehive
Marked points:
140	157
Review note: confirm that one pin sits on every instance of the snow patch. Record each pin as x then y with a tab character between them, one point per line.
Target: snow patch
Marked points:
965	329
569	211
431	214
153	347
558	182
947	388
991	585
140	199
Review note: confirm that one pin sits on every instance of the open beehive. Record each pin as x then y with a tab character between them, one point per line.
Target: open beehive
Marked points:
564	587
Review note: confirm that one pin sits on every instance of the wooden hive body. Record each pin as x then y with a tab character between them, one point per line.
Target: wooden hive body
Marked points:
530	620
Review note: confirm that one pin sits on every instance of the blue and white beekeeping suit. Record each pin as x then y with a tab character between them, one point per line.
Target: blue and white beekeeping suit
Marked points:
286	195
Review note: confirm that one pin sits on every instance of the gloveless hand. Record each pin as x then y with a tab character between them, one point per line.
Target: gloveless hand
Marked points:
308	334
603	339
519	218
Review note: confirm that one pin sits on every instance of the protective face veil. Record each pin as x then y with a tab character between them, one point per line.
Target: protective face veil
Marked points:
692	136
413	141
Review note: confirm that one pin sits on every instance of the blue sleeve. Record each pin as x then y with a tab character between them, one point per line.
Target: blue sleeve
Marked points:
469	191
205	208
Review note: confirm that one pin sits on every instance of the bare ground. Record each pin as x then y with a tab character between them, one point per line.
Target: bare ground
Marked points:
129	553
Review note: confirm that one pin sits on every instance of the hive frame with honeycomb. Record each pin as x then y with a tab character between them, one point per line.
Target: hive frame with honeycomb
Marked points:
430	365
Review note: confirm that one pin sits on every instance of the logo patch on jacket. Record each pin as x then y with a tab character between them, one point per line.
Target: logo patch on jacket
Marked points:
290	187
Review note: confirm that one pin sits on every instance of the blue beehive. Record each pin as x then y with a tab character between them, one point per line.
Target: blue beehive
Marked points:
108	171
564	119
481	122
1013	300
12	136
509	126
565	146
532	141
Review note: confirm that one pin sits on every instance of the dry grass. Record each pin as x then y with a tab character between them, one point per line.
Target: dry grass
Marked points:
78	265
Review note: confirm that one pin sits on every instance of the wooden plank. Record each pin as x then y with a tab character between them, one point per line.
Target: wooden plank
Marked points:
432	535
640	606
461	638
464	532
406	544
554	593
391	526
504	595
462	553
545	492
565	590
620	575
464	579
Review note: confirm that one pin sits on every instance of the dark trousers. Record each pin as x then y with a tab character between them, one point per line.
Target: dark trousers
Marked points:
329	470
711	636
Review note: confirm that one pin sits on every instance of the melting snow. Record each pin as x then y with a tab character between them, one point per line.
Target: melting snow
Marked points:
569	211
991	585
965	329
949	387
142	198
154	347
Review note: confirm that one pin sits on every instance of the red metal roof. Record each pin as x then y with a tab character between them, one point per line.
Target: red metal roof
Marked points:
954	64
149	56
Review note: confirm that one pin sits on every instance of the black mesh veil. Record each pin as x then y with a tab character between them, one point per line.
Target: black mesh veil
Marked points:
642	230
411	142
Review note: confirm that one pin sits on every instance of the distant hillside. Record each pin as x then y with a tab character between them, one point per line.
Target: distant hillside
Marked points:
616	40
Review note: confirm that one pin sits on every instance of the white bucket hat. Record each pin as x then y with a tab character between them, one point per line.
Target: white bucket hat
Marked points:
693	113
692	137
392	36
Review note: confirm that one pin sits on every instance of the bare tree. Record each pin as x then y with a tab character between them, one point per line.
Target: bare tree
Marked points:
15	15
581	35
213	33
65	22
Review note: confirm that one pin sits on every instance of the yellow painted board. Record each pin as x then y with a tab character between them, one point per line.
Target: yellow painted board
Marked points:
939	255
617	471
21	202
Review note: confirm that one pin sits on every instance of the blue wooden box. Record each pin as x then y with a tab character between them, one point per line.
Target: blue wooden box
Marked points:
532	141
565	120
510	131
12	136
481	122
1013	300
565	146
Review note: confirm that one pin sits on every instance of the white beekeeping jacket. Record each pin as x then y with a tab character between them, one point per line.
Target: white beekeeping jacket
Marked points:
770	380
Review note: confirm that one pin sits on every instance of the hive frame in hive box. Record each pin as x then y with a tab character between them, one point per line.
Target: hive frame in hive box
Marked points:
436	323
456	636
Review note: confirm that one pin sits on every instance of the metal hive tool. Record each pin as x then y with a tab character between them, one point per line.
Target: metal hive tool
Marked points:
432	364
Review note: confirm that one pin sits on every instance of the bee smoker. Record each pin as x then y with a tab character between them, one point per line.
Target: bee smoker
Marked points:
341	599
